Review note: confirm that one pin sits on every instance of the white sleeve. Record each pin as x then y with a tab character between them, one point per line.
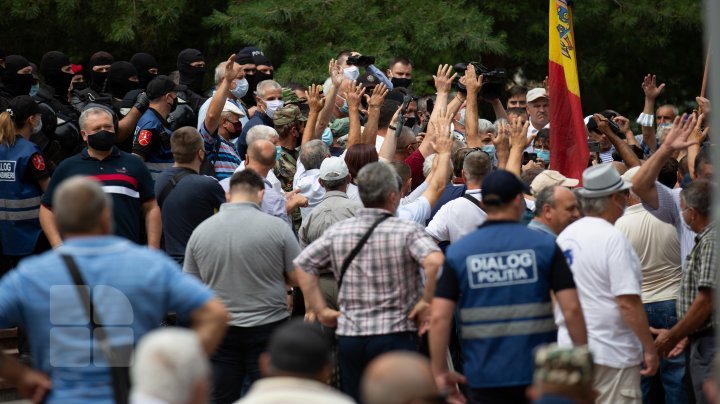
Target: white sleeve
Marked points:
416	193
417	211
299	172
438	226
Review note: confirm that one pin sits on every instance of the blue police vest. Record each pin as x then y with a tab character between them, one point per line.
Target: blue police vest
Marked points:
505	309
19	199
161	157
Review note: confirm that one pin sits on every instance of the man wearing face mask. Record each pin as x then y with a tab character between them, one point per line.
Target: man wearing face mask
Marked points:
121	174
147	68
99	66
222	124
245	60
400	72
238	89
17	77
191	65
269	99
152	133
352	70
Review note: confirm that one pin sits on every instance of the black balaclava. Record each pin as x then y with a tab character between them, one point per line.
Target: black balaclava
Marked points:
98	80
189	75
247	59
117	82
14	83
51	66
143	62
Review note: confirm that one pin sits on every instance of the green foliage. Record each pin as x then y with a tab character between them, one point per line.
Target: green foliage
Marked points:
617	41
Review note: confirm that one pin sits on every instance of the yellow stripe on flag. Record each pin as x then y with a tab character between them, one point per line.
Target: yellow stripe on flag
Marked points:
562	43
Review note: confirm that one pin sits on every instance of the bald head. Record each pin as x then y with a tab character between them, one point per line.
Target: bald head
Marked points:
261	152
82	208
397	378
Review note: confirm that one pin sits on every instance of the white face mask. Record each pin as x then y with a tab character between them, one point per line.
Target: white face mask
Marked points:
351	73
37	128
241	88
273	106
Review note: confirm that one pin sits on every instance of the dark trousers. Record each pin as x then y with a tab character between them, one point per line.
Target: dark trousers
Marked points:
499	395
235	362
355	353
702	352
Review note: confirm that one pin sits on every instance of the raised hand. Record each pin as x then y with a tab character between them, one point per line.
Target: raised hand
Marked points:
443	78
678	136
518	133
501	139
473	82
354	94
378	96
232	69
703	105
546	85
336	73
699	134
443	122
623	123
602	124
314	98
650	88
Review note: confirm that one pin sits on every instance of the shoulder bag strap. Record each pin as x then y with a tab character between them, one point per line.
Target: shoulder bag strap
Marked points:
120	379
359	246
473	200
172	184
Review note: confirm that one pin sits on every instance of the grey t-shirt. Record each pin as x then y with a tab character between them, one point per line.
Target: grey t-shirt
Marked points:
243	255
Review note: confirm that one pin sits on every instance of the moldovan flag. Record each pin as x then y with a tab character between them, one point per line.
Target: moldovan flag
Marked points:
568	138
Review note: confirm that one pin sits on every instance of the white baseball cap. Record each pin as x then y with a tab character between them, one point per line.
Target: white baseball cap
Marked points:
333	168
536	93
230	107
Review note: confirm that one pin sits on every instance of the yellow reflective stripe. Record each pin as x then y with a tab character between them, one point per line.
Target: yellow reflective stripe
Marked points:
509	328
508	312
21	215
20	203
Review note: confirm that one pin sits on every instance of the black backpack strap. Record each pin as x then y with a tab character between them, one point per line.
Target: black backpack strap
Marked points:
172	184
473	200
350	257
120	374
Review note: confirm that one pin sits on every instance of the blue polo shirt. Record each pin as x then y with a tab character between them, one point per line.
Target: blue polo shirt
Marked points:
259	118
122	175
132	288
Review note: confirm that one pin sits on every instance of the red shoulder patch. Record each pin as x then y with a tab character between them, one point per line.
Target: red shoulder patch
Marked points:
144	137
38	162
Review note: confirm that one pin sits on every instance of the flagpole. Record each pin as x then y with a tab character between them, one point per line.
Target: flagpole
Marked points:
705	75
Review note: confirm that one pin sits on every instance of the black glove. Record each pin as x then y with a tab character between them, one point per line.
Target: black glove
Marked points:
142	102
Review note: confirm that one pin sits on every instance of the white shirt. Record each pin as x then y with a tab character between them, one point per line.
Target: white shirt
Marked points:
604	266
308	182
417	211
281	390
457	218
271	178
353	193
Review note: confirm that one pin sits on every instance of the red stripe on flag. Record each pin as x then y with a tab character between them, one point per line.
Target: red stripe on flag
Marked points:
568	139
117	177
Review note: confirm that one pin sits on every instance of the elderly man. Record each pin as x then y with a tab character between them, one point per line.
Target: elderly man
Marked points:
238	89
399	378
608	277
555	208
269	98
122	175
129	289
250	278
538	110
312	155
500	277
695	310
376	259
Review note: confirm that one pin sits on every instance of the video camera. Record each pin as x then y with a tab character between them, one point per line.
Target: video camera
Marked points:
362	61
493	80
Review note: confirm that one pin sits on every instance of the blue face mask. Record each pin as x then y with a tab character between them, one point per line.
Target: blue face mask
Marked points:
544	155
278	152
34	89
489	149
327	136
241	88
344	109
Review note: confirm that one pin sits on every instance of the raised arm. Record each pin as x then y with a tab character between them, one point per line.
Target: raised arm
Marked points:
389	145
374	102
212	118
652	91
518	143
336	77
443	145
473	82
315	102
622	148
353	97
501	140
624	125
443	82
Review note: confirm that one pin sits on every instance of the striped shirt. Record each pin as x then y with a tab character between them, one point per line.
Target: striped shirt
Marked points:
383	282
226	156
669	211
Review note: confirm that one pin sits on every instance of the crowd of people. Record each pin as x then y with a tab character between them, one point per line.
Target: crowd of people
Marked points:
158	236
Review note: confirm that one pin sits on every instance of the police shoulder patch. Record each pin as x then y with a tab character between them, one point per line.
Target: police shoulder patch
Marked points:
38	162
144	137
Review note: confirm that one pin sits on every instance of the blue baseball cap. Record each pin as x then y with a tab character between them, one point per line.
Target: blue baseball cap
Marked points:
501	186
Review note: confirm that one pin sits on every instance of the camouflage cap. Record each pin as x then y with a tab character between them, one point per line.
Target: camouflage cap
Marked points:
568	366
287	115
340	127
290	97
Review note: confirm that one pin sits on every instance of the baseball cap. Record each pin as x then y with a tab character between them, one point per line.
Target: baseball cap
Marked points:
501	186
536	93
290	97
299	347
287	115
340	127
333	168
162	85
232	108
551	178
368	80
567	366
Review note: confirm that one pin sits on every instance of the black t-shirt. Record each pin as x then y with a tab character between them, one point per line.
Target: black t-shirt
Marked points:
194	199
560	278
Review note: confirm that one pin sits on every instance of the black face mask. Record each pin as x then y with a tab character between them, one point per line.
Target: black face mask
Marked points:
193	78
17	84
80	85
98	81
174	105
249	98
60	82
398	82
102	140
410	122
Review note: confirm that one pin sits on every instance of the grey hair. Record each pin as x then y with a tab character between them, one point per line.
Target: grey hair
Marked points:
220	72
428	163
375	184
675	110
698	195
78	204
91	112
313	153
261	132
486	126
332	185
594	206
168	364
265	85
546	196
476	166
